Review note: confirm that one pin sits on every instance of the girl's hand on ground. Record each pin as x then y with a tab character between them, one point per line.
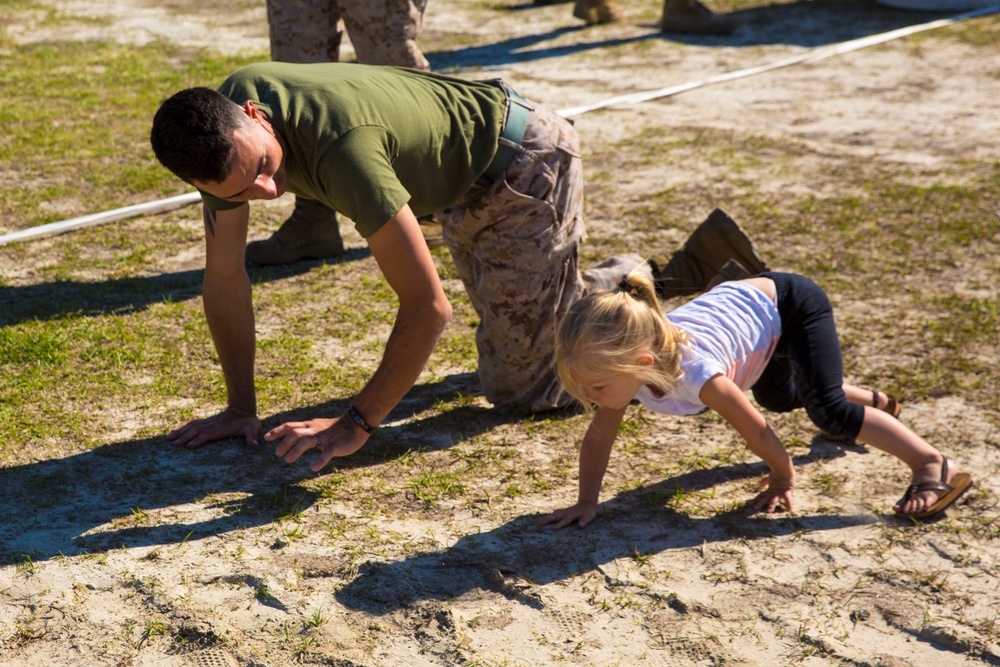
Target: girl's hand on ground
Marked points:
229	423
582	513
778	491
768	501
333	437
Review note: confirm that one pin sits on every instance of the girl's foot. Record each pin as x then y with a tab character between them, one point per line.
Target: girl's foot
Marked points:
933	489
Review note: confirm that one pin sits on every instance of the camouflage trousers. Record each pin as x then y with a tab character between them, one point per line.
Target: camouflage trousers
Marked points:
515	243
383	32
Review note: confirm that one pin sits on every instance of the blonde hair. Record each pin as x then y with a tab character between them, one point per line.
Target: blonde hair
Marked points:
606	332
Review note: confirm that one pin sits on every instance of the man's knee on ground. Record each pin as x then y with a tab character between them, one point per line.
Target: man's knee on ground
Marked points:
525	397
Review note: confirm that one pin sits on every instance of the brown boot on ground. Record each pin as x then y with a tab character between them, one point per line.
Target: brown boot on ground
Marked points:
692	17
719	249
596	11
311	232
432	231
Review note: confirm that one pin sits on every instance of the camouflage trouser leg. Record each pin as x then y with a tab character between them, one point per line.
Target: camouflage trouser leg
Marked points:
304	31
384	32
515	245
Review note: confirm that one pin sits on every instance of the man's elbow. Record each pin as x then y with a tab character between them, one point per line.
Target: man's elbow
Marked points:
225	278
442	314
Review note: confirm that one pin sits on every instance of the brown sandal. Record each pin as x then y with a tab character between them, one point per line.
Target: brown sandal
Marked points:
948	493
893	407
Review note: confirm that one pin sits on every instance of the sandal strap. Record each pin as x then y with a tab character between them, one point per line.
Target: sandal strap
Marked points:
942	487
914	489
874	398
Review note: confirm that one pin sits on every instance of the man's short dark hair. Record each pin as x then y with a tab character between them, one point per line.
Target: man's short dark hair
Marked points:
192	134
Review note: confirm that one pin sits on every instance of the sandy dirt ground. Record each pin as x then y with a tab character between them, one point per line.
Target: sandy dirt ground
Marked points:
206	576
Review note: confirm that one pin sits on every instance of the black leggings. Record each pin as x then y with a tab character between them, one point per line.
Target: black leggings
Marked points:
807	369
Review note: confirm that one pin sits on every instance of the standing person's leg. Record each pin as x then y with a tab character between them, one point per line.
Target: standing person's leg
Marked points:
596	11
384	32
302	31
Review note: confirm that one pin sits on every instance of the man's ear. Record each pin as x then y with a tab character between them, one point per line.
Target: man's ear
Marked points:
251	110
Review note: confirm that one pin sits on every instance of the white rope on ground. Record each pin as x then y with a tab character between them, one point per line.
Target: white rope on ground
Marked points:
93	219
809	56
634	98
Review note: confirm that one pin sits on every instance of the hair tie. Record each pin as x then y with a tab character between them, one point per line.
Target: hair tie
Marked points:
628	288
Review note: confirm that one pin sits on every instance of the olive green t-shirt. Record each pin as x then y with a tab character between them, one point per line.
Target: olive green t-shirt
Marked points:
366	140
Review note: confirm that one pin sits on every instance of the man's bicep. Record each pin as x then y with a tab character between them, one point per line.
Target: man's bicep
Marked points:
402	254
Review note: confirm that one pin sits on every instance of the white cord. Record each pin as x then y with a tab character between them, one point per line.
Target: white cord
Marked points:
809	56
158	206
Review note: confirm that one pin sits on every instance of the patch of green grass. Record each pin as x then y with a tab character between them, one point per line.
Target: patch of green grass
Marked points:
432	486
76	117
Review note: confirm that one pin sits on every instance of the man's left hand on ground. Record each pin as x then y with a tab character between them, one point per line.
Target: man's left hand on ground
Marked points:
333	437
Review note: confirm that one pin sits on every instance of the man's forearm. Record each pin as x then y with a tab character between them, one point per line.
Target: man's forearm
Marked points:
410	344
229	311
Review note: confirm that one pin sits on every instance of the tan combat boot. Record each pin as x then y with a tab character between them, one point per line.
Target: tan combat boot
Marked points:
311	232
690	16
596	11
432	230
718	250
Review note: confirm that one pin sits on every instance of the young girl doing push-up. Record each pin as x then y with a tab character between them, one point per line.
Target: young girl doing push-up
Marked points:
772	334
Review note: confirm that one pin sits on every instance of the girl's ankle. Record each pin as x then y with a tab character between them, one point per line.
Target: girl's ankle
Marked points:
931	461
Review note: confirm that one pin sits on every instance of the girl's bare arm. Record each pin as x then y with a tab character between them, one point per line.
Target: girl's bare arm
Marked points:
595	452
721	395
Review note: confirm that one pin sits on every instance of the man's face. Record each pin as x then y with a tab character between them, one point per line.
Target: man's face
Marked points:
258	169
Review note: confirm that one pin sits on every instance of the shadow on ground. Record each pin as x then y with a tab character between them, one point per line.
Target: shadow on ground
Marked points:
520	553
101	499
52	300
806	23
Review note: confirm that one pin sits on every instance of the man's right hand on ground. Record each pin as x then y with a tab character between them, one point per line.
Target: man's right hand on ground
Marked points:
230	423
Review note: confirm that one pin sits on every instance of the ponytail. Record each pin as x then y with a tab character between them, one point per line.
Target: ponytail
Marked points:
606	332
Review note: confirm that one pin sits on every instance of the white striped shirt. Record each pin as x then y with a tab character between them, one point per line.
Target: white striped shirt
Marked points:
732	330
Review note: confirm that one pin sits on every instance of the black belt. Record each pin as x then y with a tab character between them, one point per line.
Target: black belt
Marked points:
514	126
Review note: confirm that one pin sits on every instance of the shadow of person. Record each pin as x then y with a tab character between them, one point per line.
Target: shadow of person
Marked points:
52	300
141	492
516	50
808	23
815	23
145	492
520	553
